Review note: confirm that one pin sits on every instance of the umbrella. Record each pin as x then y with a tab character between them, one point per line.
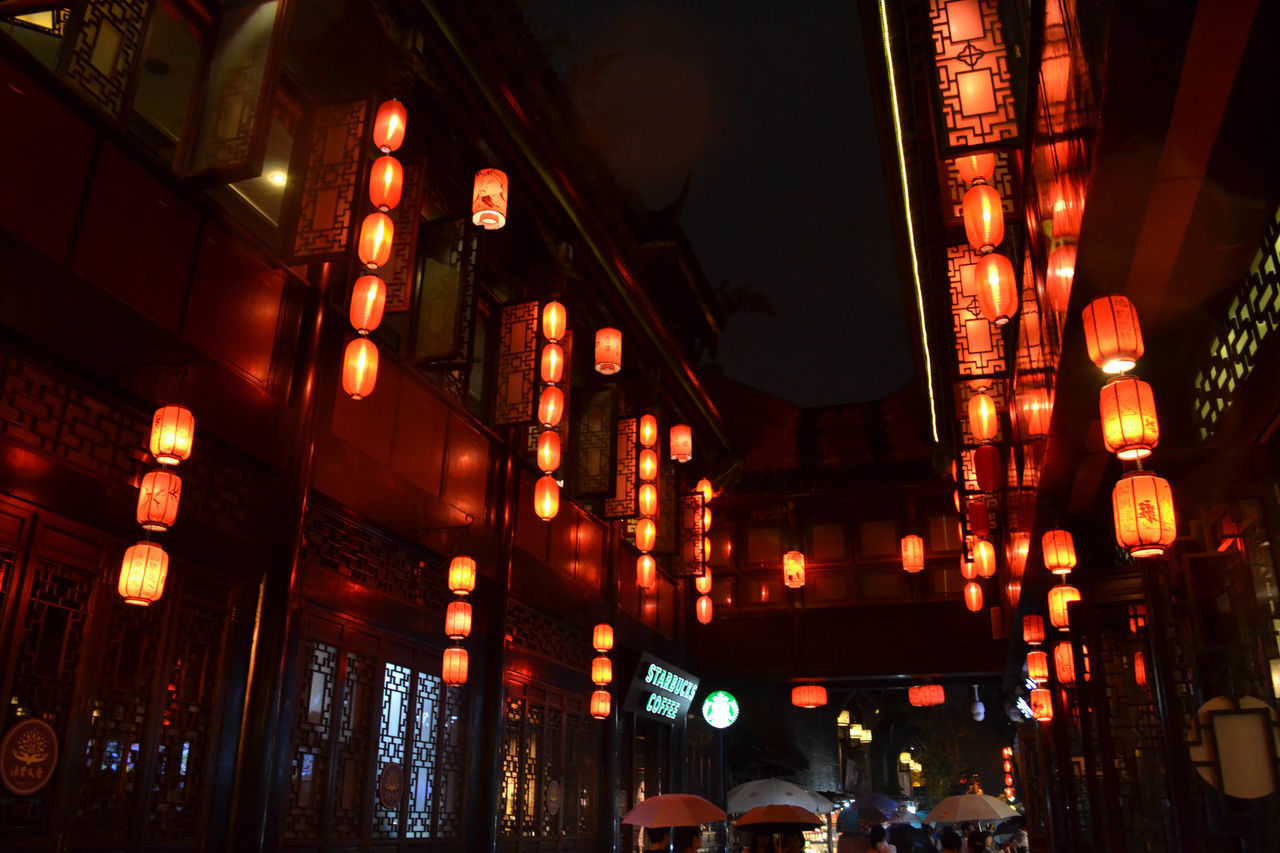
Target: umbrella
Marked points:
778	816
674	810
775	792
969	807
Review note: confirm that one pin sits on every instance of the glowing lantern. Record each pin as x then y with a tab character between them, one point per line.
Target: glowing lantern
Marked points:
1142	506
979	517
793	569
648	430
377	232
988	468
554	321
602	637
386	181
462	575
608	351
1059	597
142	573
601	704
1038	667
1016	551
1112	333
453	668
704	609
809	696
548	451
389	125
1139	669
1013	591
1008	765
704	488
681	443
1007	752
997	288
1059	551
172	430
648	465
702	582
983	217
973	596
457	620
1064	663
552	367
1037	410
976	168
984	558
368	299
1060	274
1068	211
158	497
904	758
489	199
550	406
926	695
648	499
967	569
546	497
646	571
1041	703
706	519
1130	428
601	670
646	534
983	419
912	553
1033	630
360	368
1008	781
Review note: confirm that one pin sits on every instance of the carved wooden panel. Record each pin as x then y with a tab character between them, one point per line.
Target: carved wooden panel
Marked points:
398	271
593	443
976	102
100	62
516	392
979	345
668	539
623	502
329	186
691	559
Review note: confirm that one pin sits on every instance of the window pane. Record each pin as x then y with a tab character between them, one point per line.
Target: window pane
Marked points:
168	71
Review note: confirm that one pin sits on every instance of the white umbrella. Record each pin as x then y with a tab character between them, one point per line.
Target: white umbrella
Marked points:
969	807
775	792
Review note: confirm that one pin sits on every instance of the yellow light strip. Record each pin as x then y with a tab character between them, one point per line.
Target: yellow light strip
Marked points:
906	200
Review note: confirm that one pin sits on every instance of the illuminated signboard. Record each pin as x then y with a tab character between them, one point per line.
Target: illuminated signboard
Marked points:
660	691
720	709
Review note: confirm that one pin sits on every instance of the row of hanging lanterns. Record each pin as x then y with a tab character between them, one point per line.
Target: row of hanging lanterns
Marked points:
146	565
1006	756
702	583
601	671
646	529
554	373
457	619
983	212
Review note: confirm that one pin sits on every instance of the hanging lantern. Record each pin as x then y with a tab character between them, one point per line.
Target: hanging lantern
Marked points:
984	558
1041	703
608	351
554	321
973	596
705	489
979	517
389	125
1059	597
552	367
1038	667
646	534
681	440
1008	766
377	233
1007	752
1142	506
648	430
360	368
1139	669
702	582
142	573
1130	428
1064	663
489	199
1036	409
926	695
1013	592
704	609
386	181
1008	782
550	406
648	465
1112	333
976	168
462	575
967	569
546	497
1059	276
158	497
601	704
457	620
647	499
1016	552
988	468
983	418
646	571
602	637
809	696
983	217
706	519
548	451
1068	211
912	553
601	670
793	569
1033	630
453	668
173	428
1059	551
368	299
997	288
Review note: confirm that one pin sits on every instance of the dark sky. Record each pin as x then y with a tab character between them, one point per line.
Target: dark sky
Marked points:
768	105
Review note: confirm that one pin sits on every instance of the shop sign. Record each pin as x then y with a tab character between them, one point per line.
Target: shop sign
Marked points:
391	785
660	691
720	709
28	755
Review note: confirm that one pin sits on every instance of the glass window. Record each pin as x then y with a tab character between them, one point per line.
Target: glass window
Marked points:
40	33
265	192
169	68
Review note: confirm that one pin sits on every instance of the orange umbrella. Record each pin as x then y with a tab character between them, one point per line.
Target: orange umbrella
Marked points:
674	810
779	815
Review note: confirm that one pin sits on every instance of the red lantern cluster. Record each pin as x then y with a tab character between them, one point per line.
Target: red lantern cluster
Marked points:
983	213
457	619
926	695
809	696
601	671
646	532
554	373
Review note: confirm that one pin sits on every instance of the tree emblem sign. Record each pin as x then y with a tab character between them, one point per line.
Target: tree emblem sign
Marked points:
28	755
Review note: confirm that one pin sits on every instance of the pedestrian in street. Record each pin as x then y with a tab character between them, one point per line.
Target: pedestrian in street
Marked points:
792	841
688	839
951	841
657	837
878	842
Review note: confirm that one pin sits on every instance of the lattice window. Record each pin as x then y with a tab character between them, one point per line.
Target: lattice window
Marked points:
392	734
1005	180
512	738
329	186
593	443
979	345
623	502
976	101
107	42
354	745
451	781
668	538
692	560
424	752
311	732
517	358
530	630
398	272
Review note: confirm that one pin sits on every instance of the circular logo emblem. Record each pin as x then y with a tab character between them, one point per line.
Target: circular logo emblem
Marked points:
720	709
391	785
28	755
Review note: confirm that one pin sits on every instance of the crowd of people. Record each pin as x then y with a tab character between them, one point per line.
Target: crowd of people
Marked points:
966	839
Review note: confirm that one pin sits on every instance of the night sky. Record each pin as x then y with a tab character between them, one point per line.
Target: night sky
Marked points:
768	106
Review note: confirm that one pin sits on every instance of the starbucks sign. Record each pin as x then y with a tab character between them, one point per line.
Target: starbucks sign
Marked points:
720	709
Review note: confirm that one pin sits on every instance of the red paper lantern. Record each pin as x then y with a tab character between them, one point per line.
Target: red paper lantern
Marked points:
360	368
979	517
489	199
647	468
984	558
158	497
546	497
548	451
1068	204
601	704
1041	703
1013	591
1130	428
648	430
602	637
646	534
142	573
1112	334
793	569
1008	781
702	582
1139	669
386	182
1064	663
377	233
997	288
457	620
926	695
453	668
912	553
601	670
988	468
1038	667
705	489
808	696
389	125
462	574
983	217
1142	508
1008	765
1059	551
984	421
1059	597
973	596
646	571
608	351
368	300
704	609
976	168
681	439
173	428
552	367
1036	409
647	499
1033	630
550	406
1059	276
967	569
554	321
